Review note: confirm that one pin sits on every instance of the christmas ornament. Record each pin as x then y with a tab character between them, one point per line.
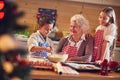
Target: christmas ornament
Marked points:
8	67
104	68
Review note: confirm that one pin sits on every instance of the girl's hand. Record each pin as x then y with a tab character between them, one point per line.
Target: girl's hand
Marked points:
98	61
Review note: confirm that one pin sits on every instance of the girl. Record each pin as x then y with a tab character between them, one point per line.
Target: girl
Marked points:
105	35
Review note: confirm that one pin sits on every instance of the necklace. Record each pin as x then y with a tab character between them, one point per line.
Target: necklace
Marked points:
75	41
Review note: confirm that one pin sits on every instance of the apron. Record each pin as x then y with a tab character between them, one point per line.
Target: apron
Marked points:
70	50
98	41
42	53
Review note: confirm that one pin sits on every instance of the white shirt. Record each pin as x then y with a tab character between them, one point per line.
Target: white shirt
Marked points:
77	44
35	38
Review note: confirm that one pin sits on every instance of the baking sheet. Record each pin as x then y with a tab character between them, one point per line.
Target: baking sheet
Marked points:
82	66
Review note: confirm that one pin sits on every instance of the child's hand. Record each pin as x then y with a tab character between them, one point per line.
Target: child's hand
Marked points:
48	49
98	61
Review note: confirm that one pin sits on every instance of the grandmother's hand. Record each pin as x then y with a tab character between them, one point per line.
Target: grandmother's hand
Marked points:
69	59
72	59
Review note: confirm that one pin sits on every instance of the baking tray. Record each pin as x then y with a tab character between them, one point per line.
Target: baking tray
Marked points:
90	67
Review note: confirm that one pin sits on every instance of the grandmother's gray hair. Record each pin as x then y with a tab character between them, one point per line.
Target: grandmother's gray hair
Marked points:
81	21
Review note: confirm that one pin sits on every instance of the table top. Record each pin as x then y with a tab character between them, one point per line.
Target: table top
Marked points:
51	75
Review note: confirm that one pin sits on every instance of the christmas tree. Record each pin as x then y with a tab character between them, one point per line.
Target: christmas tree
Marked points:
13	66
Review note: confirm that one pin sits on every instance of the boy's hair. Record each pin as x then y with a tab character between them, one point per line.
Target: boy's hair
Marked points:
111	13
44	19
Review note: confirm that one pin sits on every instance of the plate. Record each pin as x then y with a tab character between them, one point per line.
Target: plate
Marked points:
83	66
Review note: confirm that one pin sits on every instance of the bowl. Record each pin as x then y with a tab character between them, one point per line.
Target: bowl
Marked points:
58	57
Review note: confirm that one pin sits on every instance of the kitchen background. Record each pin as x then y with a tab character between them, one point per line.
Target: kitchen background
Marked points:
65	9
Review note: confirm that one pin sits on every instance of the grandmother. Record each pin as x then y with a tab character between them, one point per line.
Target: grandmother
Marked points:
77	44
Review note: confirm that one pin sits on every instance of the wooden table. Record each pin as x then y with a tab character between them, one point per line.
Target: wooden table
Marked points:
51	75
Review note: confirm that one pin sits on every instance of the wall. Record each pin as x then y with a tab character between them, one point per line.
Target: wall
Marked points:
102	2
65	9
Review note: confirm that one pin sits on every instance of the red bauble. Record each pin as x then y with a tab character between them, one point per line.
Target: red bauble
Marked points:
104	68
1	15
113	65
1	5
